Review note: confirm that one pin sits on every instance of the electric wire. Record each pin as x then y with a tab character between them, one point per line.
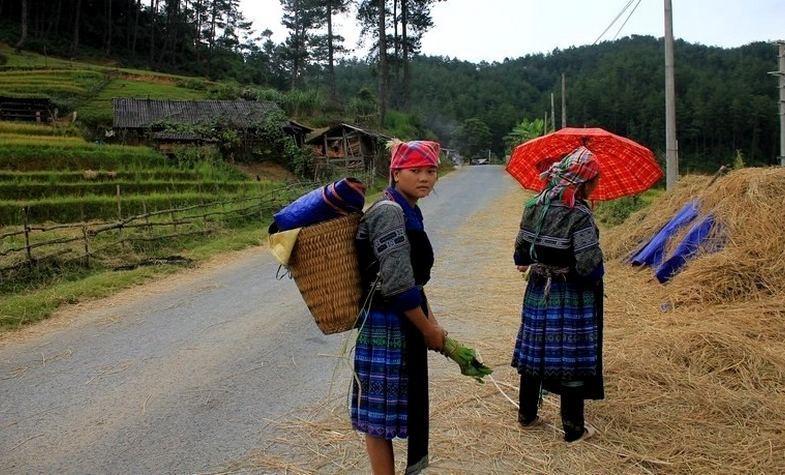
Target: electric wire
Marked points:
614	21
627	19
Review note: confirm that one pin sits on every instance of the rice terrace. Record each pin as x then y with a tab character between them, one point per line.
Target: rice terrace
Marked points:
176	295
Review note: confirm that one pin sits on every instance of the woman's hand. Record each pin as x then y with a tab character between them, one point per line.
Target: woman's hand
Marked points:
521	268
434	337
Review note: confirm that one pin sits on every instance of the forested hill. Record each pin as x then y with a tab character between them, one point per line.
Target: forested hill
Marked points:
726	101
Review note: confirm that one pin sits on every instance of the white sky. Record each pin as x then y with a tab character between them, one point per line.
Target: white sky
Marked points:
491	30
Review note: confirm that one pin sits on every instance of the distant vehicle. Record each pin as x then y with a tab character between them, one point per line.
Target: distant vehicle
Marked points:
480	161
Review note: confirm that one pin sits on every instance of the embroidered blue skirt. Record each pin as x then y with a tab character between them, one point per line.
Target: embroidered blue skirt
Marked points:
380	402
560	336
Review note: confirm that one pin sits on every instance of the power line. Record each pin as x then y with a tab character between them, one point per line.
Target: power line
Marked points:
614	21
627	19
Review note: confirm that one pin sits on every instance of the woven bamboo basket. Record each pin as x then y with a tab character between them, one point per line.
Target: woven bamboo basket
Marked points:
324	266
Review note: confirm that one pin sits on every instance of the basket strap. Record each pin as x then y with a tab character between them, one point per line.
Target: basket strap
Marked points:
281	275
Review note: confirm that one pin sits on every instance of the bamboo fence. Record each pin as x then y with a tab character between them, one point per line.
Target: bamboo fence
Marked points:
204	216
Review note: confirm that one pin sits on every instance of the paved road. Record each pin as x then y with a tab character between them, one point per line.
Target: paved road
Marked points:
183	380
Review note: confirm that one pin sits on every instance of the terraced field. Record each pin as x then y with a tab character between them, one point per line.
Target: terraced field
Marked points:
59	177
51	83
87	88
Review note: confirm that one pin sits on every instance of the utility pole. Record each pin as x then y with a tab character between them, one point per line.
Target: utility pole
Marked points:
553	114
563	102
780	73
671	144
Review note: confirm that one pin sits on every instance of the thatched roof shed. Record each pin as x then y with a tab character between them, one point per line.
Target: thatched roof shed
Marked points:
157	115
347	147
148	113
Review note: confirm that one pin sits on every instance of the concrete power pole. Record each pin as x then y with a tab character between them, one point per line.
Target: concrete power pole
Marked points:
553	114
671	144
781	75
563	102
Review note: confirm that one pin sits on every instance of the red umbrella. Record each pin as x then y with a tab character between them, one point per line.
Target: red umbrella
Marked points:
626	167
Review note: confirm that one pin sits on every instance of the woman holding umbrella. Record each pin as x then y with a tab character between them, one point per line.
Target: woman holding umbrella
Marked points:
559	344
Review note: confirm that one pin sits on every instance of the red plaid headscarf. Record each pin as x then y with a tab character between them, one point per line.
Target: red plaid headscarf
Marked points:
564	176
415	154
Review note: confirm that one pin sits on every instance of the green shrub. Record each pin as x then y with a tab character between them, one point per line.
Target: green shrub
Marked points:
304	103
272	95
224	91
617	211
193	83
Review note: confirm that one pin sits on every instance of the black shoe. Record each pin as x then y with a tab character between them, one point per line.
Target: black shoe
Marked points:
588	432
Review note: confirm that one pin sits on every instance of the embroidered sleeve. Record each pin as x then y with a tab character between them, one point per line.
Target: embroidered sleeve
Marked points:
586	245
387	234
521	252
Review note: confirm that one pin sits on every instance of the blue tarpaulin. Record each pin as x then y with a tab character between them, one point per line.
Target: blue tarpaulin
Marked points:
688	247
654	252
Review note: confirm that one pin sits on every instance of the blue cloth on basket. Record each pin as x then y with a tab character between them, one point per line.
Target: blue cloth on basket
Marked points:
654	252
688	247
327	202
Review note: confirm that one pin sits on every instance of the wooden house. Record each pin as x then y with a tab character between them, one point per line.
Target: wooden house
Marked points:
27	108
347	148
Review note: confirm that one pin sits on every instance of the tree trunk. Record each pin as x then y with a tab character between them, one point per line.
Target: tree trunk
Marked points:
56	23
75	42
167	30
153	21
396	43
212	40
36	22
296	59
299	44
108	47
171	30
198	32
405	42
382	63
136	27
333	94
22	38
128	23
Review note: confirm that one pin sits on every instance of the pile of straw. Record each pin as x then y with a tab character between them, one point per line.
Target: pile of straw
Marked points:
689	389
748	204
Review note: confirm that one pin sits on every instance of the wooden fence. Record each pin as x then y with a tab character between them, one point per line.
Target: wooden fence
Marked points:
30	245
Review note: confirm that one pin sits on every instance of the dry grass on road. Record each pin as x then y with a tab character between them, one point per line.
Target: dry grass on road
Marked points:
699	388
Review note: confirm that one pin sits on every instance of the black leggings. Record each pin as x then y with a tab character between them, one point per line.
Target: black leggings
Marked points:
571	405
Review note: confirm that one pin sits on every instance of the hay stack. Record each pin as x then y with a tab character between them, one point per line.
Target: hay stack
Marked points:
749	205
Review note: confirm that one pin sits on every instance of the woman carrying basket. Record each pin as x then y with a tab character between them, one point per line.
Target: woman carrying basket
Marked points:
390	391
559	345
